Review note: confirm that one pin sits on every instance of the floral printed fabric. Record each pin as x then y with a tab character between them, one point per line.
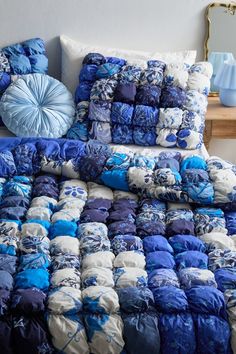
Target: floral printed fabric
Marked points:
147	104
140	284
170	177
20	59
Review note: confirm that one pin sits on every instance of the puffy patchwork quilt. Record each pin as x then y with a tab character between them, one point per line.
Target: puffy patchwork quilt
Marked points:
143	103
85	268
168	176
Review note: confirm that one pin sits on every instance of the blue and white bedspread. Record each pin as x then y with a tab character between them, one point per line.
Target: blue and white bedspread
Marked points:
89	269
168	176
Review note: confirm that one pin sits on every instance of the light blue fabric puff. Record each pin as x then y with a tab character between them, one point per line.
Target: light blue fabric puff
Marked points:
63	228
32	278
37	105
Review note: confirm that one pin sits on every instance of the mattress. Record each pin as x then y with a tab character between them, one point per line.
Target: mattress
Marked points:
85	268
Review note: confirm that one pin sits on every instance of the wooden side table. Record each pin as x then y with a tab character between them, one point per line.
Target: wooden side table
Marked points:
220	121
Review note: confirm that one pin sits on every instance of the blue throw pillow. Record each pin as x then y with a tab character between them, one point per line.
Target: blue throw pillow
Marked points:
37	105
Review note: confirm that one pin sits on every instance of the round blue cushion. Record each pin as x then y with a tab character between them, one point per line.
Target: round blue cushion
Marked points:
37	105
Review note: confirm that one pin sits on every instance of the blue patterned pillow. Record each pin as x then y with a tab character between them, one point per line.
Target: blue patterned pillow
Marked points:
151	103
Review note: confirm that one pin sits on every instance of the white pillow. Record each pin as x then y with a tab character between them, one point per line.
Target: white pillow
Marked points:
73	53
183	56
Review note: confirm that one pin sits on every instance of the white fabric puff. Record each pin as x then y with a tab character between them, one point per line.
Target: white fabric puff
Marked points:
71	203
98	191
66	277
130	259
67	214
68	335
97	276
39	213
107	298
102	259
65	300
64	245
33	229
44	202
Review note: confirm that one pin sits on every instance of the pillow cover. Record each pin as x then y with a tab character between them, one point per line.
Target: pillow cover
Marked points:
73	53
148	103
37	105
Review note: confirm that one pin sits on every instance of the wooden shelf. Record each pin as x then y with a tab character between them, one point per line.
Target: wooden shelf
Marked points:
220	121
216	111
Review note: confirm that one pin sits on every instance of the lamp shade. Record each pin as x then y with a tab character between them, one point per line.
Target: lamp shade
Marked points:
226	76
217	59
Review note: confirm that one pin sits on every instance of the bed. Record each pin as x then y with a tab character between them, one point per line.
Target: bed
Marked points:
109	248
92	262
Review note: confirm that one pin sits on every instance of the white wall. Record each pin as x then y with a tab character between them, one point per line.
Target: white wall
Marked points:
135	24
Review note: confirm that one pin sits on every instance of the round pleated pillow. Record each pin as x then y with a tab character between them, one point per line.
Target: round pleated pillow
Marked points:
37	105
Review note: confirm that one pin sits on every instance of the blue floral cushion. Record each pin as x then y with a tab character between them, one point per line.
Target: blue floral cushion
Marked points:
151	104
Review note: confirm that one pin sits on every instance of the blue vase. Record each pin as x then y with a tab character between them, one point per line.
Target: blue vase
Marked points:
228	97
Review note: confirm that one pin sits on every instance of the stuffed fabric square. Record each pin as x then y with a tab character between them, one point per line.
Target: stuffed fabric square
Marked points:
125	95
148	95
94	243
63	228
176	75
34	244
126	277
33	261
65	300
106	300
125	92
100	131
122	243
64	245
122	113
99	111
170	299
32	278
38	213
104	259
92	229
103	90
70	203
130	259
98	191
65	261
66	277
9	228
166	137
74	188
97	276
29	301
191	277
8	263
67	214
162	277
44	202
122	134
104	325
170	117
59	327
145	116
194	259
